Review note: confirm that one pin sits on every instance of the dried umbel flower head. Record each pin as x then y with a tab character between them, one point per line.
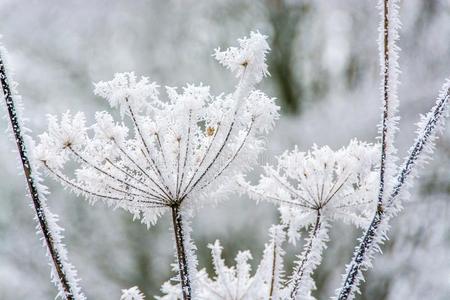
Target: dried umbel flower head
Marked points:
340	184
314	188
182	150
177	152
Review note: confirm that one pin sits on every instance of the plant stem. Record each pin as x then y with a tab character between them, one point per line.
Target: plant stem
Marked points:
386	108
274	263
368	239
37	203
307	249
181	252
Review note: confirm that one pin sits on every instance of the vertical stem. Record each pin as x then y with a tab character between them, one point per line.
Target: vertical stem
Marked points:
300	272
274	263
369	236
386	107
38	206
181	252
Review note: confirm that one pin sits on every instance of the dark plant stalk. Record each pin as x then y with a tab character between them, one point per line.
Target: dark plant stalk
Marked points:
368	238
274	263
385	129
37	203
384	208
367	242
181	252
300	272
437	113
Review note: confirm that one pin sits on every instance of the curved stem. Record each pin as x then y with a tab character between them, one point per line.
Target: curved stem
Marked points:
181	252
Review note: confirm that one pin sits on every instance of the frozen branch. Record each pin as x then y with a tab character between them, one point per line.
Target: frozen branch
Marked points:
302	283
63	273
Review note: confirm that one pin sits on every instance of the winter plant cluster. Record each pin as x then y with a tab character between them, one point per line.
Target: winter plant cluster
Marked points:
172	152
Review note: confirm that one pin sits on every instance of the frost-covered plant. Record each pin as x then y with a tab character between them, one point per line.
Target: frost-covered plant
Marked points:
313	189
394	180
63	273
340	185
176	154
335	184
237	282
168	155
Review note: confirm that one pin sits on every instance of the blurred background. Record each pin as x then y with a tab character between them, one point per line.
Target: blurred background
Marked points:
324	67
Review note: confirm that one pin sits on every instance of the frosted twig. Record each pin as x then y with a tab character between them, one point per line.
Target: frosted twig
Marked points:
65	272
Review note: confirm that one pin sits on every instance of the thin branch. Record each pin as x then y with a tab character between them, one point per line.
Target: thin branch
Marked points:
188	141
143	171
274	265
203	159
127	174
88	193
384	128
161	149
87	162
294	192
181	253
300	271
214	159
34	192
233	157
438	112
152	161
275	199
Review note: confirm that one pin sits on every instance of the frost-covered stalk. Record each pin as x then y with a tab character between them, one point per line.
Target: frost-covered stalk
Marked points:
186	149
388	52
63	273
275	251
181	252
430	125
375	234
302	282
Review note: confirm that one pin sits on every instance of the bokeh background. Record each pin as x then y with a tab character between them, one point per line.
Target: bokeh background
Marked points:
324	67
